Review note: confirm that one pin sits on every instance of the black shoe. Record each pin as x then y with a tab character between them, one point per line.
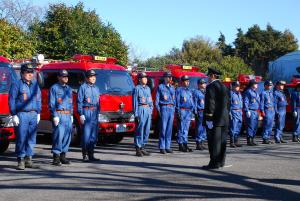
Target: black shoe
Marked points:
253	142
92	157
265	141
249	141
237	143
232	145
138	152
144	152
200	146
85	156
295	138
277	141
210	167
28	162
282	140
187	148
63	159
162	151
182	148
56	160
169	151
21	164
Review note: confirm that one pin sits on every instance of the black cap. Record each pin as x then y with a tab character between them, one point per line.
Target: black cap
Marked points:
90	73
201	81
63	73
214	71
268	83
235	84
27	67
281	82
167	74
184	78
142	75
252	82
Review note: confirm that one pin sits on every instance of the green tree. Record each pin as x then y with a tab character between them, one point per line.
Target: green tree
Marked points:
14	43
227	50
257	47
72	30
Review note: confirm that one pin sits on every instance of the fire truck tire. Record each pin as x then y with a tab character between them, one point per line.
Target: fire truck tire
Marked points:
3	145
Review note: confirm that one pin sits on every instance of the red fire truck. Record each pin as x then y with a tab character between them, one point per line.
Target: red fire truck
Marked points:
156	77
116	116
7	76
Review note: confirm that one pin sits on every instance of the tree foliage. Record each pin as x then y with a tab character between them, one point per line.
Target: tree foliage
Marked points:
257	47
14	43
72	30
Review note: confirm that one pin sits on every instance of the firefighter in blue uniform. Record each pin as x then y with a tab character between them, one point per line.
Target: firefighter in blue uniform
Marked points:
280	104
235	114
61	107
251	108
142	107
88	107
25	107
200	131
295	103
267	110
184	111
165	105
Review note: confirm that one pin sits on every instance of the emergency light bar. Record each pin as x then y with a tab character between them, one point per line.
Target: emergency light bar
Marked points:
93	58
182	68
246	78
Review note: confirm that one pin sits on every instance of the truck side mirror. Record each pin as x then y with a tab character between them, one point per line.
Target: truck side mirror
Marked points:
40	79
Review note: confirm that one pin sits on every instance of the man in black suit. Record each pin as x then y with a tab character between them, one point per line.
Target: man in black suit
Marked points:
216	119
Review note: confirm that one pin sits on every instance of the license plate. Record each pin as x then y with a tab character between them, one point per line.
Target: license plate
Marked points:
121	128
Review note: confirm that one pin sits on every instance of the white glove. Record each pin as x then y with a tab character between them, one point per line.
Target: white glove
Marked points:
295	114
55	121
38	118
16	120
72	119
209	124
82	119
248	114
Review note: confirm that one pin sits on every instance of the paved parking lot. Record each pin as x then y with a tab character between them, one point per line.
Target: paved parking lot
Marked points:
265	172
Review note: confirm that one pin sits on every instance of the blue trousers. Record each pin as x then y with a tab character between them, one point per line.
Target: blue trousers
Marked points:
297	123
62	133
200	134
143	127
183	126
166	127
90	130
252	123
236	122
26	134
279	123
268	124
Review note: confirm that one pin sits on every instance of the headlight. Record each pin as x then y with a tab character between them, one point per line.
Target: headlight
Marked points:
131	118
7	122
102	118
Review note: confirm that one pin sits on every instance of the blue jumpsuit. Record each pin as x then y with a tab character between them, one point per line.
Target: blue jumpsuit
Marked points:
88	104
267	106
25	102
236	114
200	134
61	106
184	108
251	104
280	104
142	107
165	105
295	103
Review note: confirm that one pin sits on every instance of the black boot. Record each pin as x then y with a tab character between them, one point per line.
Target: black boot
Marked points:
282	140
162	151
144	152
21	164
63	159
198	146
253	142
237	142
249	141
181	148
138	152
56	160
187	148
92	157
28	162
295	138
85	156
265	141
232	145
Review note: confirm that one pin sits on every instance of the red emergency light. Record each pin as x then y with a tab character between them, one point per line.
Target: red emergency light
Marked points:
295	79
246	78
181	68
93	58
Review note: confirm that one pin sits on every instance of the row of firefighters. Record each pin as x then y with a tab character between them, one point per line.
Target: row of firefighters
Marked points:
25	106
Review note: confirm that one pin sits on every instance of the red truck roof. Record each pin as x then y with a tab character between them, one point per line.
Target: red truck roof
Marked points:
4	60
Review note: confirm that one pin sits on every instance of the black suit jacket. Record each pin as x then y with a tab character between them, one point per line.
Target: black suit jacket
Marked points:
217	104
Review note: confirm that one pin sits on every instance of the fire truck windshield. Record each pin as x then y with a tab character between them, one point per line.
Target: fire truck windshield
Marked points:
7	76
114	82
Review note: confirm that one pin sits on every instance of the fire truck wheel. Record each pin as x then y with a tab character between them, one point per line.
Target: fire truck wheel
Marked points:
3	145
